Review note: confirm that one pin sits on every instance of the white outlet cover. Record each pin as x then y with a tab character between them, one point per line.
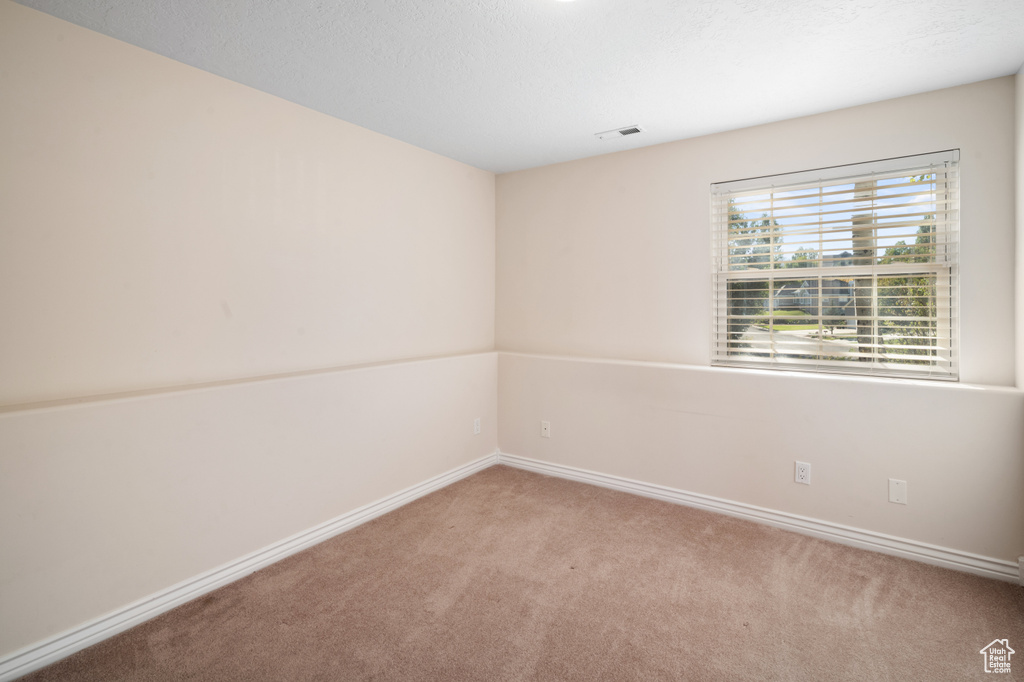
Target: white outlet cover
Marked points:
545	429
802	473
897	491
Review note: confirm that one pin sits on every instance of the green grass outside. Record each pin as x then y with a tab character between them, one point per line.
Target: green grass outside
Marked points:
784	313
793	326
788	327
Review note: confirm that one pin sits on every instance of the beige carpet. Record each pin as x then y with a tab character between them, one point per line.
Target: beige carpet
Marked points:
508	575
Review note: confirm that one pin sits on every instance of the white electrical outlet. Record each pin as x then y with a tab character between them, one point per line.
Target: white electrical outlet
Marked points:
897	491
476	426
803	473
545	429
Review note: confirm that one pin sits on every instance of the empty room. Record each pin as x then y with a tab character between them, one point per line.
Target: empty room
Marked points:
511	340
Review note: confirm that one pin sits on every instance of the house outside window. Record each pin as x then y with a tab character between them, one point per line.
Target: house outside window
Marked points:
849	269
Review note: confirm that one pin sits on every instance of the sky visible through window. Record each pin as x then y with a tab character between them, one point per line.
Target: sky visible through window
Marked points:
817	224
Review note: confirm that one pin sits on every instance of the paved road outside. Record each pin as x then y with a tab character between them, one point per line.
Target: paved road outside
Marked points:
800	342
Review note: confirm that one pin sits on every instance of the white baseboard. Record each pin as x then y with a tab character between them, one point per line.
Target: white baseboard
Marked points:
855	537
52	649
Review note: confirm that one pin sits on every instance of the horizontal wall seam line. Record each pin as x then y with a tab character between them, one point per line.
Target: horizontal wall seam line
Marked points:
227	383
819	376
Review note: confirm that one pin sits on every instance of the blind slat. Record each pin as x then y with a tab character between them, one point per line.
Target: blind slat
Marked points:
893	318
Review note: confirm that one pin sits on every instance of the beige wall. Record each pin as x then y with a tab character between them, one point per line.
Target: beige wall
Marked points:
1019	116
735	435
163	226
111	501
609	258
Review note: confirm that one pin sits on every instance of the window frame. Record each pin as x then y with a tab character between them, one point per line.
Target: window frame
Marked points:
941	348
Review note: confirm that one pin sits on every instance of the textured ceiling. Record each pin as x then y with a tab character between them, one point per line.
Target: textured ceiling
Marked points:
512	84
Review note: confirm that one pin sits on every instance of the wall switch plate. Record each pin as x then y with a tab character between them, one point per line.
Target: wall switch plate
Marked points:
545	429
897	491
476	426
803	473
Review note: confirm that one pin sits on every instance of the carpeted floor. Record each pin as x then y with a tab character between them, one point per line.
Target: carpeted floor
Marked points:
508	575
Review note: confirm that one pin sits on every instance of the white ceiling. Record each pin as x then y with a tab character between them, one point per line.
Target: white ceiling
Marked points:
511	84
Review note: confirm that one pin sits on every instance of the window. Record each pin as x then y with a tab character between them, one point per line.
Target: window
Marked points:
847	269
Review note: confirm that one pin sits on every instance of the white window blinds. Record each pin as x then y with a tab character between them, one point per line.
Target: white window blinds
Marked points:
846	269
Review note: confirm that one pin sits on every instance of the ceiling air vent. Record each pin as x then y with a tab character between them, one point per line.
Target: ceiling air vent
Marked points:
619	132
